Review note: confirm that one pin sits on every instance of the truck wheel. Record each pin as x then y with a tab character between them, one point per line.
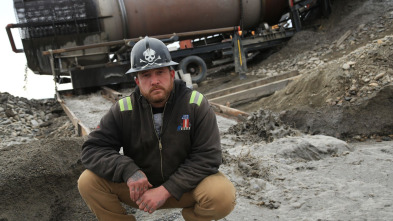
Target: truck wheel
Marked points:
326	8
195	66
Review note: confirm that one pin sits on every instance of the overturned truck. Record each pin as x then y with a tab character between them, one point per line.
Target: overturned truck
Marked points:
88	42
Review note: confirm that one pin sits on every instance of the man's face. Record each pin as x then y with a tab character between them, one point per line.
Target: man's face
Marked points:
156	85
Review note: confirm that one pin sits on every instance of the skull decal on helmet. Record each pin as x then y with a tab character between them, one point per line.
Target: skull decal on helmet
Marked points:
150	57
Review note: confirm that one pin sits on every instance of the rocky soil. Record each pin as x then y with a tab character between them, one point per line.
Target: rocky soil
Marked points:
346	67
24	120
297	157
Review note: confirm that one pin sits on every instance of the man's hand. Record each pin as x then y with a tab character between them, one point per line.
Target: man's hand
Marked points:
153	199
138	184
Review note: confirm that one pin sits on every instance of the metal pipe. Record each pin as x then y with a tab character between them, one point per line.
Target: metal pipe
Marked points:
11	38
125	41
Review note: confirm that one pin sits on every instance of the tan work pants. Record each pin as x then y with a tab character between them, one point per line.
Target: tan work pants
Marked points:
213	199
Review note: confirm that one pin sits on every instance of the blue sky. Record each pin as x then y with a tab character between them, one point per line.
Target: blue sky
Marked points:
12	74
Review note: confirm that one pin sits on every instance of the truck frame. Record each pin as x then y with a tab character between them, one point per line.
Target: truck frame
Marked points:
197	50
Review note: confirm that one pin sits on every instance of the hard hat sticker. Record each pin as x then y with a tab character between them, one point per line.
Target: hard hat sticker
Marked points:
150	57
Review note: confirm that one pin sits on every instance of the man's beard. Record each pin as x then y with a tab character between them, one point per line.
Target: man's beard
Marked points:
154	99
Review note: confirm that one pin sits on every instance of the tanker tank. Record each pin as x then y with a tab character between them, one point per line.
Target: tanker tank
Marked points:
56	24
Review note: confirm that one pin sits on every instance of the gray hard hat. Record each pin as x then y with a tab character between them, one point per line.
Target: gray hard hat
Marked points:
149	53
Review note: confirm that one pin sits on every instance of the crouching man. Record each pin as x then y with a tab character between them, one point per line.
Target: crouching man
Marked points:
171	146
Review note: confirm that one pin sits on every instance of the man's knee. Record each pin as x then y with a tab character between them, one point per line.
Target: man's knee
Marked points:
86	181
216	193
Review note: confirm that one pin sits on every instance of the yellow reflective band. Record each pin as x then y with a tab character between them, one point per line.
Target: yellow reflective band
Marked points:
196	98
128	105
200	99
192	97
121	104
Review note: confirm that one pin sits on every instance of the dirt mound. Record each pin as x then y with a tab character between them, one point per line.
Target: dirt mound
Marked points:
38	181
346	67
345	97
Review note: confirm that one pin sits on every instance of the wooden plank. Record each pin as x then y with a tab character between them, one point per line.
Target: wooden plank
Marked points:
342	39
228	111
81	129
111	94
249	85
252	93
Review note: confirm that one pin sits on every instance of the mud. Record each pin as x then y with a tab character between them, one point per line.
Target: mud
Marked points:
263	126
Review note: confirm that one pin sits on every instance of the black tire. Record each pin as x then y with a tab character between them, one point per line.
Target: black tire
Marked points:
326	8
195	66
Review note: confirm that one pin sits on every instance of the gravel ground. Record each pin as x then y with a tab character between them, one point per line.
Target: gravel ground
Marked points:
320	149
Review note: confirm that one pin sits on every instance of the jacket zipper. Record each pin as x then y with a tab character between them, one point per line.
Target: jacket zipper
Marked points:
159	138
160	146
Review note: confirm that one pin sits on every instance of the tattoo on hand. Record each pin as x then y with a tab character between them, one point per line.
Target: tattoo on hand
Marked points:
137	175
160	203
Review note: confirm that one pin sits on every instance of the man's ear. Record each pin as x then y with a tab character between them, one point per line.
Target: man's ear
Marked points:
136	80
172	73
